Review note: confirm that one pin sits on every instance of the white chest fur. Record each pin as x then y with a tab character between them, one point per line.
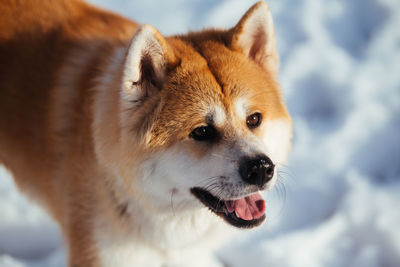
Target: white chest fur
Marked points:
185	239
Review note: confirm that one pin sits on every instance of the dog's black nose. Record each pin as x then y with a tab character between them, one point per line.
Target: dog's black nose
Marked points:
257	171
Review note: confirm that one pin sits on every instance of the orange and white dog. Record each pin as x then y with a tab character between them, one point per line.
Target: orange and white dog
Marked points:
144	148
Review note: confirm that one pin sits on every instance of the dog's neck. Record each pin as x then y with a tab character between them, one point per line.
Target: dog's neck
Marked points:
173	232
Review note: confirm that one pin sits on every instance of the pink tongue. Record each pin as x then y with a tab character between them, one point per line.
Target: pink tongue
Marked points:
247	208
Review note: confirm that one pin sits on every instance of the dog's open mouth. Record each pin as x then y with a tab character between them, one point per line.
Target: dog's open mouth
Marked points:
246	212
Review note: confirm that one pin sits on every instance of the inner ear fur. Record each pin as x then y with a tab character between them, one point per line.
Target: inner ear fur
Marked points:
254	36
147	59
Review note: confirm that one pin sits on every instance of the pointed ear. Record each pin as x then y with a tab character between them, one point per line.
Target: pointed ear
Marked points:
255	37
145	66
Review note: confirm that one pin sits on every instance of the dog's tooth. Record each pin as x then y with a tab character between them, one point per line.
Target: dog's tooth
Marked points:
237	215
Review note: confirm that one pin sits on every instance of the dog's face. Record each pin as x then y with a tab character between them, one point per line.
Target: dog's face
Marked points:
207	113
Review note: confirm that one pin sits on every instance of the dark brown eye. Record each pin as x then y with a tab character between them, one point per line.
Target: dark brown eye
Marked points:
254	120
204	133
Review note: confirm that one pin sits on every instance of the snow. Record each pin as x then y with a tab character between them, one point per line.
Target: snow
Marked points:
336	201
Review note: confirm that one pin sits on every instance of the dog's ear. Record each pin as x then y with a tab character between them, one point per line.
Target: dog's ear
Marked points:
146	63
255	37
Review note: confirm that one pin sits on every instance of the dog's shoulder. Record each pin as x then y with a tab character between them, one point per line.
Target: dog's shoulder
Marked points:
76	18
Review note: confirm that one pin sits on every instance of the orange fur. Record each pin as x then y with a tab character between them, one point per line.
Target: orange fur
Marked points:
52	54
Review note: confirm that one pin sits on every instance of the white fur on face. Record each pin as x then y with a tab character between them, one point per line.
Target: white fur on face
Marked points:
278	134
172	173
169	175
219	115
241	106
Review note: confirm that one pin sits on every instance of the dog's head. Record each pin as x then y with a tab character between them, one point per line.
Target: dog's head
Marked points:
202	120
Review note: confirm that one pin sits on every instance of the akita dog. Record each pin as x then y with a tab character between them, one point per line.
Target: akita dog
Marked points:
146	149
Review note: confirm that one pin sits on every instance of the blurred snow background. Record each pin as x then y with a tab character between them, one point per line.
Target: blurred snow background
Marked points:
339	196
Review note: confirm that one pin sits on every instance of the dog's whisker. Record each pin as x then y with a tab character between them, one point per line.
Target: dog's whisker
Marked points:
284	167
287	177
221	156
206	180
282	187
219	193
173	191
212	187
285	173
277	189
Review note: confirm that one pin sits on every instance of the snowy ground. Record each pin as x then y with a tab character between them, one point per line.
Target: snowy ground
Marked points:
340	72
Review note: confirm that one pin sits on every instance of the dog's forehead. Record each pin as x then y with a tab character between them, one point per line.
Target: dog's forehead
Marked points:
246	86
216	80
193	89
194	92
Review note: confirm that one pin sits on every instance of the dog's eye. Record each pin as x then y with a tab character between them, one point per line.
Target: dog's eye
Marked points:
254	120
203	133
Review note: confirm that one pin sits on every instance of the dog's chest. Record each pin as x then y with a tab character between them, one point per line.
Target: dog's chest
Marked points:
176	240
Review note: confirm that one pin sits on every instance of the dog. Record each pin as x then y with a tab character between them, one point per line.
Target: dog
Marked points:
147	150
